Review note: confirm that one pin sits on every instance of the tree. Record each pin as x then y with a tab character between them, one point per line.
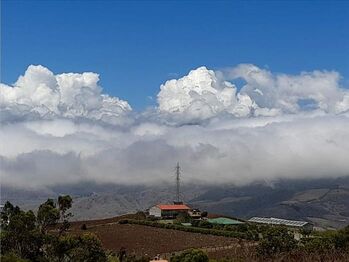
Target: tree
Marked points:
64	203
48	215
21	236
85	248
8	211
341	239
192	255
26	236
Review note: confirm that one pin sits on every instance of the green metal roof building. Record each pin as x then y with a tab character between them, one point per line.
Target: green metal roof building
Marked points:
224	221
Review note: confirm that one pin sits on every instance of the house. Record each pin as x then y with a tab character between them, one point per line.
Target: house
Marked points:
168	210
278	221
224	221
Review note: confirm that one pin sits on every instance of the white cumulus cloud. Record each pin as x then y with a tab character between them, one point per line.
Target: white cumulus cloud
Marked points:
287	92
203	93
39	94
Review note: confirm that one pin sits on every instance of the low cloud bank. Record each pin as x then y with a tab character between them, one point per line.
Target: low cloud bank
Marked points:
58	129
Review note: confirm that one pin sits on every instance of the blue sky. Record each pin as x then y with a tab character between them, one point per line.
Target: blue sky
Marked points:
136	46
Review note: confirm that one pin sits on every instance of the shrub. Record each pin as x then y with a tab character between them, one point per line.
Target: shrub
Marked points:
11	257
276	240
192	255
85	248
123	221
326	241
182	218
140	215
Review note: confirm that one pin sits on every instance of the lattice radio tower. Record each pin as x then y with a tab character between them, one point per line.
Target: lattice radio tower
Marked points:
178	173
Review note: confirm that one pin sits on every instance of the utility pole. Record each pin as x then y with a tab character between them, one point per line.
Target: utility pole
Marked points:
178	172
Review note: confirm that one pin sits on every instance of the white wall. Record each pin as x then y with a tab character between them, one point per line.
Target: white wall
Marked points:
155	211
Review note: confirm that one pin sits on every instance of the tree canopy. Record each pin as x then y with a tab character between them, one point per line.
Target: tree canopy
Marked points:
26	236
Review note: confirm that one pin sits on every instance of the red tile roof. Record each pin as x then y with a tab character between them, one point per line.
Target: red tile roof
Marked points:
173	207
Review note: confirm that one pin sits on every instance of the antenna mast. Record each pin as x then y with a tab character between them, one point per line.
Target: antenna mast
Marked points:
178	172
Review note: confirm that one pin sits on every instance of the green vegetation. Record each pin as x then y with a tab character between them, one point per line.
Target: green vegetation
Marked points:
121	256
242	231
276	240
193	255
327	241
64	203
209	231
48	215
11	257
182	218
26	237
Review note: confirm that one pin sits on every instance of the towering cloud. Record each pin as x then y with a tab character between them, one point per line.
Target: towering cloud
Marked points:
39	94
204	94
201	95
63	129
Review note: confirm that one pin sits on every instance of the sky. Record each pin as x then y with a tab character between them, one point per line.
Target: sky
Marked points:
118	92
136	45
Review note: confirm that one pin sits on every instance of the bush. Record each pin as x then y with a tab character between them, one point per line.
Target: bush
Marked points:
192	255
205	224
182	218
317	244
85	248
123	221
276	240
140	215
113	258
326	241
11	257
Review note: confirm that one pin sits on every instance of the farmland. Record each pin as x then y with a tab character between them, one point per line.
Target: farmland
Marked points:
145	240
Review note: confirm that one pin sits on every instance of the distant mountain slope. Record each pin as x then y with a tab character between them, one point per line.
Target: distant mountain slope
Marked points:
323	201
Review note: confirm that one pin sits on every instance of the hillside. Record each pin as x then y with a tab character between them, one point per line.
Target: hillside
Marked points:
323	201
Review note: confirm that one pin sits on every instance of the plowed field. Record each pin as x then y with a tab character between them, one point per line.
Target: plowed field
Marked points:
146	240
